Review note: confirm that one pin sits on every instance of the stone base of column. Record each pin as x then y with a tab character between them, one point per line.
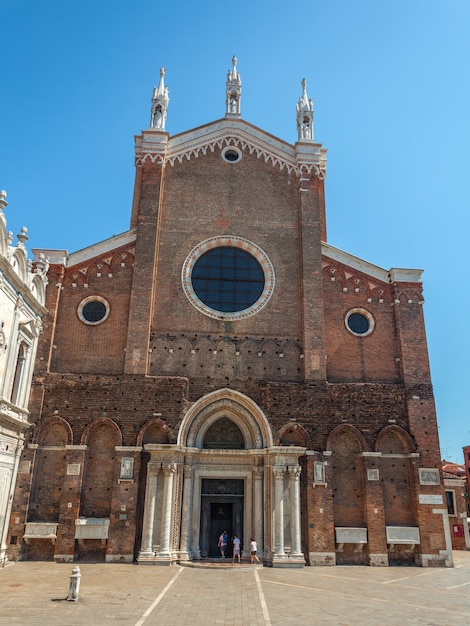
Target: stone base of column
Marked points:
322	559
145	558
378	560
288	561
183	556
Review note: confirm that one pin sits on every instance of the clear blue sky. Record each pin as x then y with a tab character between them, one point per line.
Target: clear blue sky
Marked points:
391	86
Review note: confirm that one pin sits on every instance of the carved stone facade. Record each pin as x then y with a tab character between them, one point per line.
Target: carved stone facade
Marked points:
22	297
220	366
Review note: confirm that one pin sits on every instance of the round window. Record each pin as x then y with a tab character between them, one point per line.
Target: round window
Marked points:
228	278
359	322
93	310
231	154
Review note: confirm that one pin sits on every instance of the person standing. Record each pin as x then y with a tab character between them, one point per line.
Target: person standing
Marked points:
222	543
253	551
236	548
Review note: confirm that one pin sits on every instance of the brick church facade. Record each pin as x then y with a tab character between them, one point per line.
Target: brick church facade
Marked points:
220	366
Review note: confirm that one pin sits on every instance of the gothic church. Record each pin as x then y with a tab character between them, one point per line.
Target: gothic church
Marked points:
221	366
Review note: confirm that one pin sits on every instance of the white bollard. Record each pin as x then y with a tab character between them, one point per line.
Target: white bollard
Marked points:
74	587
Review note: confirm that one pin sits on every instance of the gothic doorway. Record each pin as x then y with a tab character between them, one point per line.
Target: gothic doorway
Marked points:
221	509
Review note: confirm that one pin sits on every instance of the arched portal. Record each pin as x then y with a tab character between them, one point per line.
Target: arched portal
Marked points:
220	476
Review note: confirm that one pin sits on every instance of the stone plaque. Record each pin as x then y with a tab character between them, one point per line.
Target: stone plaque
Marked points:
350	535
373	474
91	528
429	476
24	467
402	534
425	498
73	469
127	467
319	471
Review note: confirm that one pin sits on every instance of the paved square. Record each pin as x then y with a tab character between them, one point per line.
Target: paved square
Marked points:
33	593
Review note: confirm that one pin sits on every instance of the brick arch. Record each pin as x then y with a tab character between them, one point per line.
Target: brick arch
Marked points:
126	258
293	434
394	431
101	421
100	267
347	428
74	278
154	424
347	477
396	474
45	427
330	271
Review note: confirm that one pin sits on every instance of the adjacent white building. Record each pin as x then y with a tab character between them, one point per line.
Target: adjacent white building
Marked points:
22	300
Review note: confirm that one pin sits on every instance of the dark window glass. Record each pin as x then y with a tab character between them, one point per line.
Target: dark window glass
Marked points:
228	279
450	502
231	155
94	311
358	323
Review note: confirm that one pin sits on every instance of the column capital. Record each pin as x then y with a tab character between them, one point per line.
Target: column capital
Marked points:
278	472
188	471
294	472
258	472
169	469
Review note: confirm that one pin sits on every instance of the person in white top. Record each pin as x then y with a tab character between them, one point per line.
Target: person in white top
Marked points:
236	548
253	550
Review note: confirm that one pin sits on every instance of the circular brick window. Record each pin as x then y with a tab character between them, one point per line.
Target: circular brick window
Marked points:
93	310
228	278
359	322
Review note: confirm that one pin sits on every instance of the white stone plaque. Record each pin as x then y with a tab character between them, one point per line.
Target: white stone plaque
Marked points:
24	467
402	534
127	467
73	469
373	474
319	471
425	498
91	528
429	476
350	535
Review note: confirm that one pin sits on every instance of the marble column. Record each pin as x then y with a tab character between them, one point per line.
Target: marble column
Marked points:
165	537
259	508
278	473
294	493
149	512
186	514
204	531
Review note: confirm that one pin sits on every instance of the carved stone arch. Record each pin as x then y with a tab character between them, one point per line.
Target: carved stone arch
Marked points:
240	409
3	239
19	262
293	435
157	425
101	421
45	427
394	431
352	430
38	289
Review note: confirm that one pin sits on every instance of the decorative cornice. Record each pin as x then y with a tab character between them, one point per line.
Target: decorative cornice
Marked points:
301	159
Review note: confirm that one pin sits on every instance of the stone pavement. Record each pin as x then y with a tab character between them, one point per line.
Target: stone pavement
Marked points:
32	593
